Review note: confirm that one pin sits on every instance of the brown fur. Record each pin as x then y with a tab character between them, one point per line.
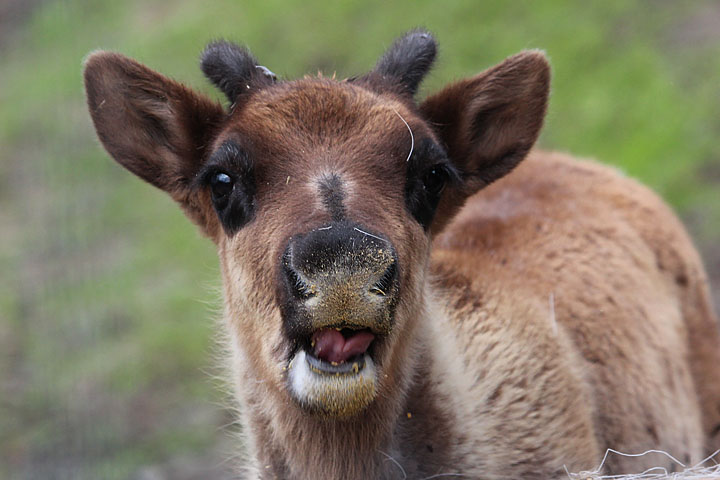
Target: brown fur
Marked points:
630	300
562	311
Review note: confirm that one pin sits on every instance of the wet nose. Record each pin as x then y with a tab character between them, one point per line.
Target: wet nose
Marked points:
341	274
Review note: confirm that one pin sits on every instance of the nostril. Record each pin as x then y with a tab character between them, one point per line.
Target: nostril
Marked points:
298	286
382	287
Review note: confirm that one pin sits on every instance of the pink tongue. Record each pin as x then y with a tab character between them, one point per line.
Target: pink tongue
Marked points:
331	346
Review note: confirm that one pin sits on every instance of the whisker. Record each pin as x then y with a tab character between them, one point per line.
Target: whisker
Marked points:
396	463
412	137
369	234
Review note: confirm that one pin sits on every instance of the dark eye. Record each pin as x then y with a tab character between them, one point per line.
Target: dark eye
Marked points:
434	181
221	186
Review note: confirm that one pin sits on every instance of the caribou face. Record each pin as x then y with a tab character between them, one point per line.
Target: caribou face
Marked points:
340	181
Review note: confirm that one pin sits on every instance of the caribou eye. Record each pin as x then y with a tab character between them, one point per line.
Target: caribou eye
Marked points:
434	180
229	175
221	186
428	172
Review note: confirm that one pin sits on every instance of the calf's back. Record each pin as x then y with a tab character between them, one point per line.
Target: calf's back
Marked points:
580	307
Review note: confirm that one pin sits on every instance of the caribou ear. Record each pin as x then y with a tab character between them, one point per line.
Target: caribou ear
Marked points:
406	62
233	69
153	126
489	122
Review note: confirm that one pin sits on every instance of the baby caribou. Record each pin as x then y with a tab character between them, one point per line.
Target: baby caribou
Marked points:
409	290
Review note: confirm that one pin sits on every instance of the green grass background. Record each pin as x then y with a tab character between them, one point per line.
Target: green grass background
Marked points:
108	295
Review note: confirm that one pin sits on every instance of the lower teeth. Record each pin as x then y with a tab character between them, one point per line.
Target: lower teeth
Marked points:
349	367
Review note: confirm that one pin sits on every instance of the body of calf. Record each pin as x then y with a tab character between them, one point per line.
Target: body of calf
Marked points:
387	321
583	314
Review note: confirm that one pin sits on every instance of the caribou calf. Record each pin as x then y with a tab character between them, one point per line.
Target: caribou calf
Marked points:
411	292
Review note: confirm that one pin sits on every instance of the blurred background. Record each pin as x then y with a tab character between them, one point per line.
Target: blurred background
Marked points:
109	297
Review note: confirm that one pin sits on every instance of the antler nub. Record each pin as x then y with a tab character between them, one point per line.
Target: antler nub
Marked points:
233	69
409	59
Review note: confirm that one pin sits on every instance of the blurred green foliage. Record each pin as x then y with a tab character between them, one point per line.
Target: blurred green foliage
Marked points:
108	294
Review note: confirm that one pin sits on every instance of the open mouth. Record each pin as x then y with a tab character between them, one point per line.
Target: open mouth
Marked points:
333	372
339	350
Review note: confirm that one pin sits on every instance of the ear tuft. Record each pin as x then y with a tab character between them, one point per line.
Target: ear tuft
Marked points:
409	59
233	69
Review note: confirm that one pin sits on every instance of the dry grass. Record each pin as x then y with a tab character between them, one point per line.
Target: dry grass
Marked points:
708	468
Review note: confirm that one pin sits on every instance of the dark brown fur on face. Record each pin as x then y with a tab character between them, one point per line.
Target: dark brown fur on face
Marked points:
541	310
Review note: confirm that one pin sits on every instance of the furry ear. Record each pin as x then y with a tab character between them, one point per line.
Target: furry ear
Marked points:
407	61
153	126
489	122
233	69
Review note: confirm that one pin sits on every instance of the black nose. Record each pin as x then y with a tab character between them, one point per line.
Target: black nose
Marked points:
340	275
